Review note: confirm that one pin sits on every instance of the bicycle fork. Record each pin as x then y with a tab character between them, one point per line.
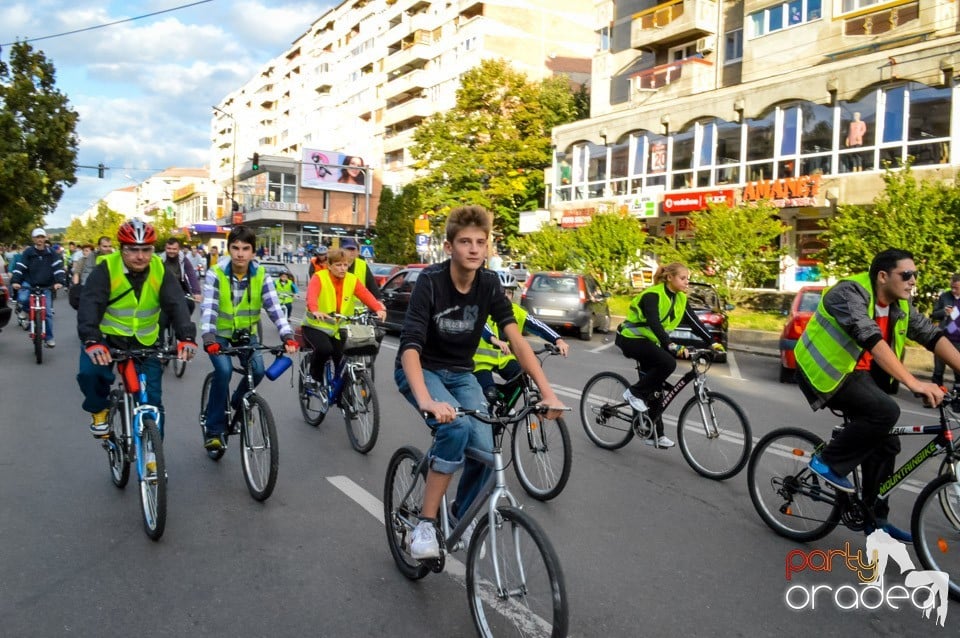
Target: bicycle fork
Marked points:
707	414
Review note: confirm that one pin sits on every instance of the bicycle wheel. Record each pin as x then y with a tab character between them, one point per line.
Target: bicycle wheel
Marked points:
313	396
530	596
606	417
116	443
402	500
215	455
541	456
715	437
792	500
179	366
936	529
38	342
259	455
361	412
153	485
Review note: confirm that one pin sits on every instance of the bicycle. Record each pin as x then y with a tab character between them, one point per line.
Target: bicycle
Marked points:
170	340
545	472
349	385
259	457
512	568
136	437
797	504
36	317
712	430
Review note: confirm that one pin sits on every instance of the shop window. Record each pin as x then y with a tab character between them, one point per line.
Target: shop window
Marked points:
728	152
858	123
619	167
682	158
893	111
928	127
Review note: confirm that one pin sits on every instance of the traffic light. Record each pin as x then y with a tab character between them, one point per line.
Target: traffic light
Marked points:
255	165
100	169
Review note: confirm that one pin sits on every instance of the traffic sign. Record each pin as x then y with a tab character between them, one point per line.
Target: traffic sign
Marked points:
423	241
366	251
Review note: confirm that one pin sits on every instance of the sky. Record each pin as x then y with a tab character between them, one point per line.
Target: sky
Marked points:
144	89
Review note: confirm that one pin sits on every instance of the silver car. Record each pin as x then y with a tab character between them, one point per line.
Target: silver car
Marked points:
568	300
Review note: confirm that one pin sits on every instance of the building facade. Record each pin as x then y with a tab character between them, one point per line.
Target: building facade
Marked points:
802	102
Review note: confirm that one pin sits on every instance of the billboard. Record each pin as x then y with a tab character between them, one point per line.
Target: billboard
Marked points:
333	171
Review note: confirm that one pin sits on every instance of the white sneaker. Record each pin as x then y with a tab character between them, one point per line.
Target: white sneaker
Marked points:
635	402
423	541
660	442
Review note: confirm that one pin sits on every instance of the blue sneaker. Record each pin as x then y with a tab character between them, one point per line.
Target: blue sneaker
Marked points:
895	532
821	469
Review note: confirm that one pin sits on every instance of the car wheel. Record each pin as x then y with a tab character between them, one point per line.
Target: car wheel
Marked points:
787	375
605	324
586	333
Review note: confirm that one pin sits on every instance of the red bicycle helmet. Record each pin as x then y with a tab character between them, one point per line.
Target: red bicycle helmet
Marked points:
136	231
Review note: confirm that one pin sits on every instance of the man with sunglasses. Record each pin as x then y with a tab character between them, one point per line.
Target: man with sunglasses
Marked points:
850	359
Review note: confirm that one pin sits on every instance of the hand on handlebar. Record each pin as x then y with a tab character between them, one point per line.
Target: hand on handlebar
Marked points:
443	412
382	315
562	346
291	346
186	350
555	406
931	393
212	348
680	352
98	353
718	348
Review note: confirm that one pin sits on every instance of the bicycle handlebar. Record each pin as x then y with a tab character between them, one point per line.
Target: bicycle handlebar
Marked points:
238	349
121	354
506	419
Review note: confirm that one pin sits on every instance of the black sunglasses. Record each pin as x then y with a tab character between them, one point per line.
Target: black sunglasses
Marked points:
907	275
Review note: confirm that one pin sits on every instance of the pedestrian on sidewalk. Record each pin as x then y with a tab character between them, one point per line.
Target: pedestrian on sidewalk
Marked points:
947	312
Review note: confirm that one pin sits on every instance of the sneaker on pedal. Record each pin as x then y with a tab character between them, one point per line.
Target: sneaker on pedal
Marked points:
150	465
50	343
99	426
214	442
821	469
660	441
635	402
423	541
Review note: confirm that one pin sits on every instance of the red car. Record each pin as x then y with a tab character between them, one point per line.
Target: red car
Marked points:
802	308
382	272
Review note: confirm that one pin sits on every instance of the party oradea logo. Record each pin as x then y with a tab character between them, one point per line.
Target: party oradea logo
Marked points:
922	590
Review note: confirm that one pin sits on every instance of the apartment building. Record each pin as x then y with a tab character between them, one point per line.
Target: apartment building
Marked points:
799	101
356	85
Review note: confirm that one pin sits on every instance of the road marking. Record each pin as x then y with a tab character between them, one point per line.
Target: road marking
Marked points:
609	344
734	368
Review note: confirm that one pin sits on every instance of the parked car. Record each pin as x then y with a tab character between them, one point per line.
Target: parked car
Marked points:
274	268
567	300
711	310
802	308
395	294
382	272
519	270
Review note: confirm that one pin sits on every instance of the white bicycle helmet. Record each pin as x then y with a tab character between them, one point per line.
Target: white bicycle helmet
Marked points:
507	280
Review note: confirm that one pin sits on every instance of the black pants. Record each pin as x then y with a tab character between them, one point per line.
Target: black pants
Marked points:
657	363
866	440
939	366
324	347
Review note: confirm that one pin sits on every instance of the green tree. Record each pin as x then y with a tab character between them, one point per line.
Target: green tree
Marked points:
550	248
395	242
921	217
492	147
733	248
609	248
38	142
105	222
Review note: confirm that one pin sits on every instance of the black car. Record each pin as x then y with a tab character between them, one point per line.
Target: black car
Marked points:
395	295
706	303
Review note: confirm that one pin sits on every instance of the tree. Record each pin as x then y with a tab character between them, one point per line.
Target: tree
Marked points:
492	147
550	248
921	217
733	248
395	242
38	142
105	222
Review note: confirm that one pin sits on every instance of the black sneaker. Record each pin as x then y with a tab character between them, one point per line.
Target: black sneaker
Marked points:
214	442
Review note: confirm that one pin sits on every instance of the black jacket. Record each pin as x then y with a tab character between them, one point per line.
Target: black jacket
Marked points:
39	268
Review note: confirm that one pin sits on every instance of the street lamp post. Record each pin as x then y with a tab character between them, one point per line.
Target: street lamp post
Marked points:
233	164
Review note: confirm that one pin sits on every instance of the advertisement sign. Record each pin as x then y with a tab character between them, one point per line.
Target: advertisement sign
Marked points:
790	192
658	157
577	217
642	206
687	202
333	171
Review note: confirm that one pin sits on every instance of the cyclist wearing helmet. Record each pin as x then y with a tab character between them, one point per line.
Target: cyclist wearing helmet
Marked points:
120	307
39	267
319	259
493	353
286	289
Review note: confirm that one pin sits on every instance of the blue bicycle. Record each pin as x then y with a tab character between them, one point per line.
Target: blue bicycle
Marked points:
136	437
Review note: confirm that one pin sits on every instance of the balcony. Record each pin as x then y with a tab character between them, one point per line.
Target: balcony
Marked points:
412	53
690	75
405	85
396	140
415	109
673	22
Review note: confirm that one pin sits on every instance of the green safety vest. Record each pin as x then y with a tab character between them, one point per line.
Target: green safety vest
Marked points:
635	327
827	353
327	302
247	313
489	356
284	291
126	315
360	269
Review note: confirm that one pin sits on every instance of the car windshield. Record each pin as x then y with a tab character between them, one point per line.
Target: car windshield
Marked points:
381	269
554	284
809	301
703	296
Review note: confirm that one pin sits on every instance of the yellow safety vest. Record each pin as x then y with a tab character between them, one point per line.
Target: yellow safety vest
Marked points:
327	302
126	315
284	290
360	269
827	353
489	356
247	313
635	327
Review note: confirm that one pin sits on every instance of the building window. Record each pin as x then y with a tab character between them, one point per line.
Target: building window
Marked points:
603	38
856	5
282	187
733	46
682	52
783	15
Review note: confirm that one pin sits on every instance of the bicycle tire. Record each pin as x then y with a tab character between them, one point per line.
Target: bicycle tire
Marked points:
936	531
38	344
776	474
361	413
115	445
214	455
259	455
721	450
607	427
401	474
179	367
541	456
532	593
153	489
313	402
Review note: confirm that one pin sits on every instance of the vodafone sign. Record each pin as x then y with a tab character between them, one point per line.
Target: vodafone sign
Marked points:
700	200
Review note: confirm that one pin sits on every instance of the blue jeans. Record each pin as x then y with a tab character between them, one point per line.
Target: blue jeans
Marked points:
95	381
23	300
459	389
222	371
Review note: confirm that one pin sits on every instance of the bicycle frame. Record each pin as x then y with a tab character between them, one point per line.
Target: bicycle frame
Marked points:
135	408
38	312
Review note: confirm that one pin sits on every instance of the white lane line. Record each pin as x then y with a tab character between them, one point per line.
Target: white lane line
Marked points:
603	347
734	368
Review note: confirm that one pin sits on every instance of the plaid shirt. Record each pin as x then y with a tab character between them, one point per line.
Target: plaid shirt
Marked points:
210	307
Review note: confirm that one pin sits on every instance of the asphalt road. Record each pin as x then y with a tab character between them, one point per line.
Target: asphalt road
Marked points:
648	547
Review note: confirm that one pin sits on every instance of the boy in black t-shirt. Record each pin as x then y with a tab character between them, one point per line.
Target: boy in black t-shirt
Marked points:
441	331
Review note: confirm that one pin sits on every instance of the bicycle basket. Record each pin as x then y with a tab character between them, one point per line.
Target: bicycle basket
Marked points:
359	340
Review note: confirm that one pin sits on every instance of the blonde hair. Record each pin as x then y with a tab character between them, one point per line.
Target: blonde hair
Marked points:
670	270
335	255
465	216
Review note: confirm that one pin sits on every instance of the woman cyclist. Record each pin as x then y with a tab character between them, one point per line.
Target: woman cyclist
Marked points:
644	336
333	289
